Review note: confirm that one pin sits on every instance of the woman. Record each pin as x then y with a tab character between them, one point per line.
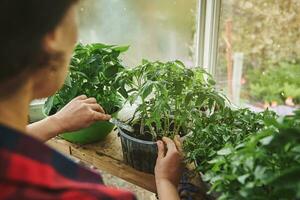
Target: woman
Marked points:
37	39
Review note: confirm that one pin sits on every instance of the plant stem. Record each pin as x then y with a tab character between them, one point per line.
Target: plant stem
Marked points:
142	126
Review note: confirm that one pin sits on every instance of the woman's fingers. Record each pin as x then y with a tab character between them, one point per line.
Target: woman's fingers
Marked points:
170	145
81	97
161	149
93	104
90	100
178	143
97	107
97	116
98	113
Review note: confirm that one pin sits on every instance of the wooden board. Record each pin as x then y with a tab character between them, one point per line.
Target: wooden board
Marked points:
106	155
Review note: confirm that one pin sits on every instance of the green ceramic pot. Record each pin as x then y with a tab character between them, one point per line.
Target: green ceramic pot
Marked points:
94	133
36	112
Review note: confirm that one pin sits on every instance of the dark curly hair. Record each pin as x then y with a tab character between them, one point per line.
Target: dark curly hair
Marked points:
24	23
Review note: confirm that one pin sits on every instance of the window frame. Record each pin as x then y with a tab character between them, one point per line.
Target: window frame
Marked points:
207	34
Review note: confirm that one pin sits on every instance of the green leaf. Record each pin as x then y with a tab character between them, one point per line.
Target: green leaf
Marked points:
296	149
146	89
97	46
188	98
211	82
225	151
121	48
111	71
123	92
242	179
259	172
267	140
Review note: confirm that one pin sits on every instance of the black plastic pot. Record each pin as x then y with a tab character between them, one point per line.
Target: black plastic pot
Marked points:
139	154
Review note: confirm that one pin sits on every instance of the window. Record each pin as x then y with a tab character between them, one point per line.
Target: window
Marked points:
259	52
251	47
155	30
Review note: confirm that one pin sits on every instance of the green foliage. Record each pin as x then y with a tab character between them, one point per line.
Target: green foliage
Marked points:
264	30
169	96
265	166
276	83
93	70
223	129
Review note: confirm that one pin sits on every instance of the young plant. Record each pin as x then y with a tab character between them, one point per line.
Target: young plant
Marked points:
225	127
168	96
265	166
93	70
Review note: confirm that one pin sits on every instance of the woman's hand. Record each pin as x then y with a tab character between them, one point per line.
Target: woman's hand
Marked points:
79	113
169	161
168	168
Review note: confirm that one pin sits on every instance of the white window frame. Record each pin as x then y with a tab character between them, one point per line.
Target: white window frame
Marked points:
208	22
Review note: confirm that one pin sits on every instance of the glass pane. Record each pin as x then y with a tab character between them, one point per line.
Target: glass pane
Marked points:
155	30
259	53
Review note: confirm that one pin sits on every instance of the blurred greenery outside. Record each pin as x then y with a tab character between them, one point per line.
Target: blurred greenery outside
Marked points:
267	32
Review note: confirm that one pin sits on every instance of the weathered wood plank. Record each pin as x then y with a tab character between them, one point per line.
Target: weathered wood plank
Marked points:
115	167
106	155
60	145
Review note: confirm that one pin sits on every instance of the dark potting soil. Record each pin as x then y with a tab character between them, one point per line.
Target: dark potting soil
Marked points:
147	136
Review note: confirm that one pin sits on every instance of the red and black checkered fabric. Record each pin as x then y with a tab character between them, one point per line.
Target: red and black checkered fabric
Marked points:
31	170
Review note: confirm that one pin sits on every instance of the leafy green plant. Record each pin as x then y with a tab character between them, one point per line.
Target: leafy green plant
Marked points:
276	83
265	166
225	127
168	96
93	70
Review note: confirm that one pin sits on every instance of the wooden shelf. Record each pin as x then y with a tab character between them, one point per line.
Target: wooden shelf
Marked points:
106	155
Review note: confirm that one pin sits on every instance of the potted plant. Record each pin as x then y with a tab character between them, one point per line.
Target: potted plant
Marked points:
217	135
92	72
225	127
264	166
168	95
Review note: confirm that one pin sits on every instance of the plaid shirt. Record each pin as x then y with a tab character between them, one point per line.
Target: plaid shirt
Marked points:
31	170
